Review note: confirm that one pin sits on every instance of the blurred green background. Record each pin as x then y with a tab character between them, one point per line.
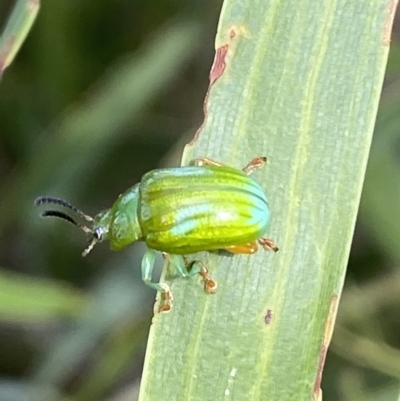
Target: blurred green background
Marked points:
100	93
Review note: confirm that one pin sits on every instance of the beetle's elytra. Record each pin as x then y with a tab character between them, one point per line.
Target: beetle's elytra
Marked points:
203	207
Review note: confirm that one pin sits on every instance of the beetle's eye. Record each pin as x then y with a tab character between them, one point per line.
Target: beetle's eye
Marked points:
98	234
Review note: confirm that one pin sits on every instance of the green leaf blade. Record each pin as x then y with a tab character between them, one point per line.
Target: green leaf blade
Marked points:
20	23
23	299
300	83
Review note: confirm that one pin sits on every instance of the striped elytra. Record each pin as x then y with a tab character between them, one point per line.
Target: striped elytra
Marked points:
190	209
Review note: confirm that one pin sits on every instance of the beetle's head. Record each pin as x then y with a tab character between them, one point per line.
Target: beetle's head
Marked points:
97	229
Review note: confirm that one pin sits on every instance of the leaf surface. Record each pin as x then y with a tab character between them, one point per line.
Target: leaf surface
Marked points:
298	82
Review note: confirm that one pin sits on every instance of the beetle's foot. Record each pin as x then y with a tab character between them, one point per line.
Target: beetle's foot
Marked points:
205	161
268	244
256	163
166	296
210	285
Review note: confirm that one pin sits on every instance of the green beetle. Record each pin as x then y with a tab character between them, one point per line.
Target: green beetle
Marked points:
202	207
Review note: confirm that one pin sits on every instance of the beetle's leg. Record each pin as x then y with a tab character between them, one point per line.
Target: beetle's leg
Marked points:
179	264
249	248
147	271
210	285
205	161
268	244
252	247
256	163
181	267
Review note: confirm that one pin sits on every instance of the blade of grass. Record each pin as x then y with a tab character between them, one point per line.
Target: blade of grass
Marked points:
363	351
91	127
300	83
379	209
114	301
17	28
113	360
25	299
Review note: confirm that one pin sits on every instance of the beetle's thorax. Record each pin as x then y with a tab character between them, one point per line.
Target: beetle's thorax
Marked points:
123	225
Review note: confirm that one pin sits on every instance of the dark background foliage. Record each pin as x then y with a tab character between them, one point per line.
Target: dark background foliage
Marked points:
102	92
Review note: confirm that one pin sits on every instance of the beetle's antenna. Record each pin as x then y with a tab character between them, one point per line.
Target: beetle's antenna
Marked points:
64	216
61	215
93	242
57	201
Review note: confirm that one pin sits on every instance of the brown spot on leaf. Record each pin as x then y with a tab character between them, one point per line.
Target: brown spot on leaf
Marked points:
216	72
217	69
219	64
321	363
268	317
387	27
330	324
